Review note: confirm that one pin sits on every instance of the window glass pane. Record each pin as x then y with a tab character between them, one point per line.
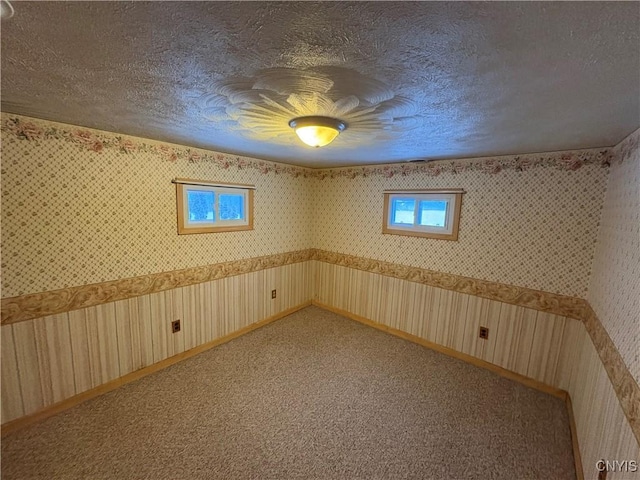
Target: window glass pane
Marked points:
231	206
201	206
402	210
432	213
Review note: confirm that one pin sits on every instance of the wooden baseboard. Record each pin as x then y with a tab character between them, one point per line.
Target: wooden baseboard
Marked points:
529	382
577	458
51	410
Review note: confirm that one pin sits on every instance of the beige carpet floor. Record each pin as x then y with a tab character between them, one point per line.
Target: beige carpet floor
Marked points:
311	396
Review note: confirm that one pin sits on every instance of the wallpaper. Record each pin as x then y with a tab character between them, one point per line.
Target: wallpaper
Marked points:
81	207
535	228
614	292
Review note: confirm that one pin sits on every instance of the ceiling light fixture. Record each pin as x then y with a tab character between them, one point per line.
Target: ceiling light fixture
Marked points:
317	131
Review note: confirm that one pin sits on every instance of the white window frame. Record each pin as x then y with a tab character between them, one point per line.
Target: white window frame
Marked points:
186	227
449	231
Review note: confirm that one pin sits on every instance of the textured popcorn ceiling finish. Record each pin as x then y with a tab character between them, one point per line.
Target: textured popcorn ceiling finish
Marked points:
412	80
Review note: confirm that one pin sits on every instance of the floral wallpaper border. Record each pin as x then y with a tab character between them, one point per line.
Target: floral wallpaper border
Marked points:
567	160
95	141
35	305
626	148
27	307
566	306
35	130
625	386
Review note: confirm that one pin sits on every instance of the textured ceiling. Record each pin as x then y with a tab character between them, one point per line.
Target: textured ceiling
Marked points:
427	80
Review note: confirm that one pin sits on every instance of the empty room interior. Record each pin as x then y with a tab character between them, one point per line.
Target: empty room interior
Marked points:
320	240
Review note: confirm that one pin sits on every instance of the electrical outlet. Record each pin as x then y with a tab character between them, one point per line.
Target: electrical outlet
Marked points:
175	326
484	333
273	294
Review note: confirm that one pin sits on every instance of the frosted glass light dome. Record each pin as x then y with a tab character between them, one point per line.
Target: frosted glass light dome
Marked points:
317	131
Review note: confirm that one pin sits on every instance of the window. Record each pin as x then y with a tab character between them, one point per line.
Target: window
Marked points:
422	213
207	207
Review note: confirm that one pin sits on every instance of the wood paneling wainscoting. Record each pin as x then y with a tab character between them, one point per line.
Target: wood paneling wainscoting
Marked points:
521	340
546	348
48	360
52	362
603	429
42	304
529	382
